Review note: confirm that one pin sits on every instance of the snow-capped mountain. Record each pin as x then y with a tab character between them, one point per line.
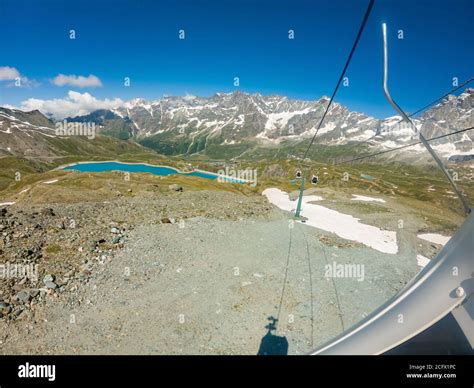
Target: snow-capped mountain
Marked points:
236	118
24	133
239	121
33	135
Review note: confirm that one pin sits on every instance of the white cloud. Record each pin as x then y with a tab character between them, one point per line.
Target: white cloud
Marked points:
8	73
75	104
80	81
24	82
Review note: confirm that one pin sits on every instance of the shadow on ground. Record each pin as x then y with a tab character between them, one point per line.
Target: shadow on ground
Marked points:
272	344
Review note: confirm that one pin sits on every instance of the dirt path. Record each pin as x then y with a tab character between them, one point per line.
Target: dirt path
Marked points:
209	286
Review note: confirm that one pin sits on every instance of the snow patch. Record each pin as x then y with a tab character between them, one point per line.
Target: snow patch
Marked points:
422	261
279	120
366	199
344	225
352	130
435	238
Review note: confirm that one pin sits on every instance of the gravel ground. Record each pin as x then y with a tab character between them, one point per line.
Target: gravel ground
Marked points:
182	283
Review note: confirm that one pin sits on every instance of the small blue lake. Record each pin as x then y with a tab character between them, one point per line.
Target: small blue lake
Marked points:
140	167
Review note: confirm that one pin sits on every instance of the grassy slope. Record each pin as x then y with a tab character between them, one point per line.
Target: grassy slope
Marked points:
74	187
407	183
68	151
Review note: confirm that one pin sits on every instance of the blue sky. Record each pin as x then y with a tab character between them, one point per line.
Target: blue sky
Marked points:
246	39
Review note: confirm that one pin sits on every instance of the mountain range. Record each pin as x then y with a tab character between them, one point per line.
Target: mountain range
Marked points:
234	123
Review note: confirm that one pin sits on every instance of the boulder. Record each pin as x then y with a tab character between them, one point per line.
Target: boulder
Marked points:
50	285
4	309
23	296
48	278
175	187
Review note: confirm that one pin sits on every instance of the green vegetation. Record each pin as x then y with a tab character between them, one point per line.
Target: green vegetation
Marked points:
53	249
422	189
167	144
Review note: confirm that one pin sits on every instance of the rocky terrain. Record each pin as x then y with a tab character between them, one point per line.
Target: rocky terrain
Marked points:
187	272
50	251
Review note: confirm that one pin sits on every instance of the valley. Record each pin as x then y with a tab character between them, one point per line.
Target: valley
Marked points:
134	262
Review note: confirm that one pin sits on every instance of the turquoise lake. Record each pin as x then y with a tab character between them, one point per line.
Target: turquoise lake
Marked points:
128	167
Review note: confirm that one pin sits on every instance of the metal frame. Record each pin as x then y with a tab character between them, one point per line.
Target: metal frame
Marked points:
445	285
440	288
405	117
